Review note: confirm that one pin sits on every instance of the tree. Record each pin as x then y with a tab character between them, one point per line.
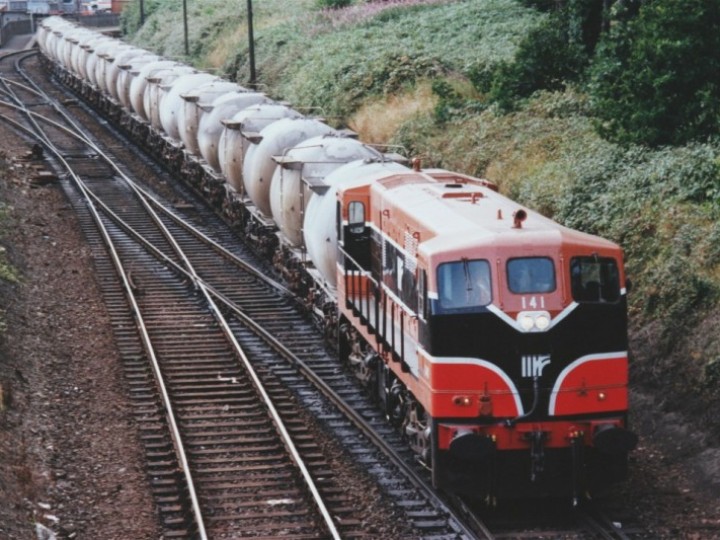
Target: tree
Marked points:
552	55
655	78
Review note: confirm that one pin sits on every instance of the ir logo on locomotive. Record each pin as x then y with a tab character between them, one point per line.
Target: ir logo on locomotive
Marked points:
533	365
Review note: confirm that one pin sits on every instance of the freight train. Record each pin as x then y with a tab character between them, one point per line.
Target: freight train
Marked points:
494	338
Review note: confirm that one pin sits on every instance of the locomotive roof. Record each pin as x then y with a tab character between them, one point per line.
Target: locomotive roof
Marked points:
463	213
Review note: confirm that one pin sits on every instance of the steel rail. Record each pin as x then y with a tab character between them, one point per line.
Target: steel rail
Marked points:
599	523
147	343
25	87
86	139
189	272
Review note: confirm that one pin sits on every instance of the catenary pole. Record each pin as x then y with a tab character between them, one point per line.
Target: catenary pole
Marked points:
251	44
185	28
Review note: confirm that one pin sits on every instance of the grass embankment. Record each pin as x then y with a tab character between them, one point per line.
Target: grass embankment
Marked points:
403	74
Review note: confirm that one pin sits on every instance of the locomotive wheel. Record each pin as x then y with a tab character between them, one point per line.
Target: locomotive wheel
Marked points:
343	344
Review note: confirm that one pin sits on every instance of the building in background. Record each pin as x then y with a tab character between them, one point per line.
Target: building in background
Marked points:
119	5
96	6
41	7
11	5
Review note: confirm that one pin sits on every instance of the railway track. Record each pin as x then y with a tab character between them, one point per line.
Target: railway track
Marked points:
535	519
184	339
223	469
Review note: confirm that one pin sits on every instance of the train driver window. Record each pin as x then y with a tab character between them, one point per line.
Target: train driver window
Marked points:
531	275
464	286
356	217
594	279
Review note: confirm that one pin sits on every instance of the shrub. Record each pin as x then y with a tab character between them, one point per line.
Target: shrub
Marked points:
130	16
654	80
547	59
453	103
332	4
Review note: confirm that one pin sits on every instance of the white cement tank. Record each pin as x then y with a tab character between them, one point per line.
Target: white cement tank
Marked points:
105	65
303	167
87	50
139	84
115	69
211	126
55	37
45	29
320	224
129	72
193	110
72	38
154	92
259	166
234	142
172	104
96	60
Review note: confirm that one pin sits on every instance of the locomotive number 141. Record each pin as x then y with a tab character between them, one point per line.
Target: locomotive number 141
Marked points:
533	302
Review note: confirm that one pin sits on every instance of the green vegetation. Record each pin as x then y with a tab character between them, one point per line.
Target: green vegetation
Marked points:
7	272
396	49
655	79
549	58
332	4
602	115
212	24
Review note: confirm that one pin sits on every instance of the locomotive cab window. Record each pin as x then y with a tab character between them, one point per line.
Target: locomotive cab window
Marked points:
356	217
594	279
463	286
531	275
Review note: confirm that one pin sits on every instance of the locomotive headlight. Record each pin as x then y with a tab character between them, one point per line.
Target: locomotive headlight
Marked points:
526	322
533	321
542	321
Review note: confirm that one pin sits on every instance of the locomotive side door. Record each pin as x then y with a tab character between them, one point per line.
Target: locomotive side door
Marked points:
355	234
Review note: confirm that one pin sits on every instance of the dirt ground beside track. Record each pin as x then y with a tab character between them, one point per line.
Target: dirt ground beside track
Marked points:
70	458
